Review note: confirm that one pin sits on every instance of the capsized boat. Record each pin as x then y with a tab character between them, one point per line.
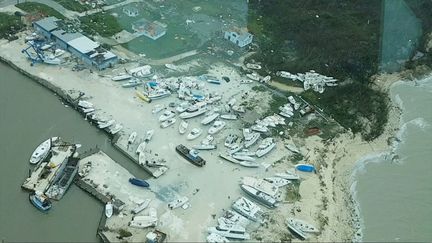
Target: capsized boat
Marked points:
229	117
108	209
208	119
190	155
178	202
265	147
40	201
194	133
168	123
259	196
216	127
183	127
138	182
305	167
168	114
247	208
41	151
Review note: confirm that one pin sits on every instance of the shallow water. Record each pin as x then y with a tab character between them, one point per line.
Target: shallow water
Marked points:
394	197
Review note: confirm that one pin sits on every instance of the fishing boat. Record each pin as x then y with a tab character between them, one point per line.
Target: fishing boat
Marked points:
168	114
288	175
40	201
132	137
277	181
121	77
41	151
103	125
265	147
178	202
108	209
138	182
251	140
157	108
158	94
190	155
207	140
216	127
183	127
229	117
259	196
189	114
230	140
132	83
305	167
149	135
168	123
247	208
229	158
205	146
140	207
216	238
194	133
229	233
210	118
302	225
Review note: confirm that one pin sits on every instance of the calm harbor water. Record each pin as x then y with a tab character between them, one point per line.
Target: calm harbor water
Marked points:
29	114
395	197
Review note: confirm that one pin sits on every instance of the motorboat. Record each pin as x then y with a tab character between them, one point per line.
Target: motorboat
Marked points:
265	147
216	238
132	83
229	117
259	196
243	157
40	201
216	127
302	225
253	66
305	167
230	140
168	114
247	208
141	147
252	139
229	233
261	185
191	155
277	181
210	118
230	217
194	133
149	135
168	123
85	104
296	230
132	138
245	152
207	140
138	182
246	81
259	128
108	209
249	164
183	127
158	94
143	223
205	146
178	202
253	76
103	125
292	148
157	108
189	114
229	158
288	175
41	151
121	77
235	148
238	108
140	207
182	107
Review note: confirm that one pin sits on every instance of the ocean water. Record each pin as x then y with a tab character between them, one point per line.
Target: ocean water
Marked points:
395	197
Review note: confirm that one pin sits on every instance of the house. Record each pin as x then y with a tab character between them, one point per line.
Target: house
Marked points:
88	51
130	11
239	37
153	30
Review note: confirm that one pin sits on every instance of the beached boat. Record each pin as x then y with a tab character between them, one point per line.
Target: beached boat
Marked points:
288	175
40	201
183	127
132	83
265	147
194	133
178	202
238	108
157	108
142	96
103	125
207	140
253	66
243	157
190	155
216	127
144	221
210	79
168	123
143	71
230	140
85	104
229	233
216	238
205	146
141	147
246	81
259	196
277	181
230	217
189	113
132	137
305	167
229	117
229	158
168	114
292	148
253	76
182	107
286	114
249	164
247	208
235	148
138	182
245	152
296	230
259	128
208	119
121	77
140	207
302	225
108	209
87	110
41	151
158	94
171	66
251	140
149	135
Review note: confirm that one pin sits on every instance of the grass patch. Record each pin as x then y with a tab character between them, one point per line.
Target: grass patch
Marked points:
293	194
31	7
9	25
73	5
101	23
259	88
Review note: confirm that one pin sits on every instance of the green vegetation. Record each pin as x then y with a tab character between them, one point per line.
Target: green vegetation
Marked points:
101	23
73	5
124	233
32	7
9	24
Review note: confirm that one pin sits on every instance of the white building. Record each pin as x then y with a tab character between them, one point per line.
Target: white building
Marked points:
239	37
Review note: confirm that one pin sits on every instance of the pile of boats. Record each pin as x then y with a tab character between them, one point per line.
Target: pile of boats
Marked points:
311	80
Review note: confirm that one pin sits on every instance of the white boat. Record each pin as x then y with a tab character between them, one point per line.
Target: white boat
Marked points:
214	99
121	77
207	140
230	140
229	233
238	108
103	125
253	76
215	238
182	107
302	225
288	175
292	148
158	94
108	209
297	231
259	196
140	207
140	71
178	202
194	133
208	119
266	79
235	148
243	157
216	127
246	81
183	127
252	139
229	158
229	117
286	114
277	181
259	128
143	222
189	114
265	147
232	102
261	185
117	128
231	217
85	104
87	110
168	123
149	135
141	147
249	164
171	66
157	108
132	83
41	151
247	208
253	66
205	146
168	114
132	138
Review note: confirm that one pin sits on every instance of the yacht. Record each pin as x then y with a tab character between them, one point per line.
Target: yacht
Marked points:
247	208
260	196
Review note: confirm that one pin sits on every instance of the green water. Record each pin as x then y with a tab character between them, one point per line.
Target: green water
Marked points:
29	114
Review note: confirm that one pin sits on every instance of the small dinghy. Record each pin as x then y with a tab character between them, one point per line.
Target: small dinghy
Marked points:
305	167
138	182
108	209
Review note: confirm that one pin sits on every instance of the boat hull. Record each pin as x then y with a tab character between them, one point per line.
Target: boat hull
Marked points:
138	182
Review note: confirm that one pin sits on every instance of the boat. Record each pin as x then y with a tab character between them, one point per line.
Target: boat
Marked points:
141	147
189	114
168	114
243	157
40	201
229	117
246	81
207	140
210	79
247	208
182	107
41	151
132	83
158	94
142	71
216	238
249	164
296	230
63	179
157	108
143	96
277	181
216	127
230	140
231	217
286	114
245	152
235	148
140	207
132	138
205	146
138	182
149	135
85	104
108	209
238	108
103	125
194	133
121	77
208	119
87	110
266	79
288	175
168	123
229	158
265	147
229	233
183	127
171	66
302	225
252	139
144	223
292	148
253	76
253	66
305	167
259	196
178	202
259	128
190	155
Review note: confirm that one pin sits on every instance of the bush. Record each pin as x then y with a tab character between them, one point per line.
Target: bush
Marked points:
9	24
103	24
31	7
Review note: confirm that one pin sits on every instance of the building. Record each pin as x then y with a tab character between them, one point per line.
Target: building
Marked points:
130	11
239	37
88	51
153	30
